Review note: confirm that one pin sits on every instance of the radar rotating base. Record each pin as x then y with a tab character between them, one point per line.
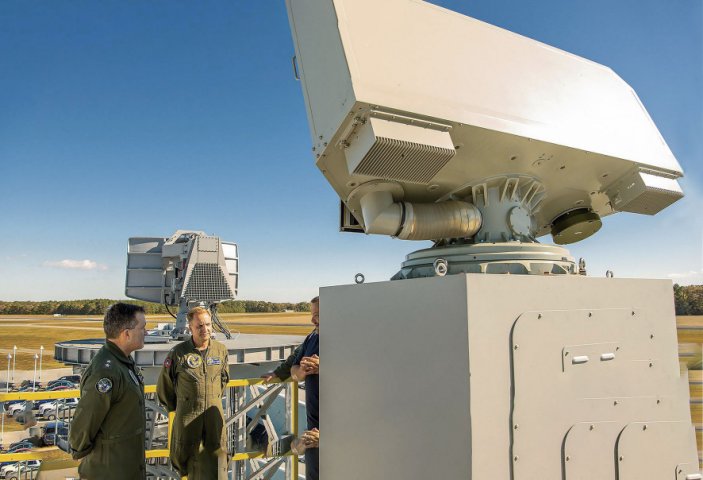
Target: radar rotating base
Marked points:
507	258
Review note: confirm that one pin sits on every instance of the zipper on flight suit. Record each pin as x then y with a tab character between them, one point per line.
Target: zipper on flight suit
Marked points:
204	355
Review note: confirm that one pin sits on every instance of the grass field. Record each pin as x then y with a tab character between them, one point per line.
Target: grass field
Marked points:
28	333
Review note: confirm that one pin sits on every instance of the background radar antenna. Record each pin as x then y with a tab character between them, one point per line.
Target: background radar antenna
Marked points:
188	268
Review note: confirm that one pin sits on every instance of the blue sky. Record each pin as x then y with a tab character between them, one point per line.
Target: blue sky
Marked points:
133	118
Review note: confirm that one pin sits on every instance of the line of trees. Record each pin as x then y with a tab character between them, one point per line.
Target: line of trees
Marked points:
99	305
688	299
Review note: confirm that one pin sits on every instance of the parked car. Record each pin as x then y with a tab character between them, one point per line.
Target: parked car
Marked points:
14	470
39	403
23	445
52	386
62	412
29	383
70	380
20	450
55	388
50	430
48	410
29	388
76	379
13	409
23	441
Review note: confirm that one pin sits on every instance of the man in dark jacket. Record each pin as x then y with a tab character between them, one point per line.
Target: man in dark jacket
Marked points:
282	372
306	367
109	425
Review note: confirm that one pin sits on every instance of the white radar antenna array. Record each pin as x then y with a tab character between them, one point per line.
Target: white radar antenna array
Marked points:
437	126
188	268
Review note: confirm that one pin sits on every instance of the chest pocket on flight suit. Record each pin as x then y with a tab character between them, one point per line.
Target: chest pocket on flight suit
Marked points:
120	448
189	384
214	376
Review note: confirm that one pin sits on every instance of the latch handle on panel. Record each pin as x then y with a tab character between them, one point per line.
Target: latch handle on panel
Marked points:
579	359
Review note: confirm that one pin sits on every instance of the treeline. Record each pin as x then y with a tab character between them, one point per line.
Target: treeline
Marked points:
98	307
688	299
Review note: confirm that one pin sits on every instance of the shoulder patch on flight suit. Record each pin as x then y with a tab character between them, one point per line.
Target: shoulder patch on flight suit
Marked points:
104	385
167	362
213	361
194	360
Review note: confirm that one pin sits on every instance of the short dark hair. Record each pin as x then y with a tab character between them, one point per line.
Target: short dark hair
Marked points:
315	300
120	316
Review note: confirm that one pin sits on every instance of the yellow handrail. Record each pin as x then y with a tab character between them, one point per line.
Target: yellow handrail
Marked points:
160	453
75	393
6	397
21	457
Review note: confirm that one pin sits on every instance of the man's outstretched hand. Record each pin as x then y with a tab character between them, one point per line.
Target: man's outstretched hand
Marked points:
269	377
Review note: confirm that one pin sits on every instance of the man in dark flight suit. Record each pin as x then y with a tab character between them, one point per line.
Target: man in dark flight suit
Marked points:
109	425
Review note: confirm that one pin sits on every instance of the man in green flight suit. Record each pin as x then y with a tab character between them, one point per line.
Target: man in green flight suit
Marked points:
109	425
192	382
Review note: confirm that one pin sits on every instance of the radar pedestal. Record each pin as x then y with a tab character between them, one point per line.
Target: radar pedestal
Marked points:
473	376
524	375
487	226
505	242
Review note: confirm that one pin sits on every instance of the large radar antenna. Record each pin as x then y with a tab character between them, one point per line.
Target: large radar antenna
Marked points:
188	268
471	136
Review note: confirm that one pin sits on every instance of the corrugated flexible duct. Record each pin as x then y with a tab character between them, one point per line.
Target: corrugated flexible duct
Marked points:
418	221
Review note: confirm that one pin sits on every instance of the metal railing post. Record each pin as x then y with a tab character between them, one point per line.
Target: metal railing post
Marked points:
293	412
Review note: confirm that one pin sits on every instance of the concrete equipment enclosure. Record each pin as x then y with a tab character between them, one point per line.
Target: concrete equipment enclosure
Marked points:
473	376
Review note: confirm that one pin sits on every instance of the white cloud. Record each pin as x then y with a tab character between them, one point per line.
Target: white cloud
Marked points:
692	273
76	264
691	277
10	258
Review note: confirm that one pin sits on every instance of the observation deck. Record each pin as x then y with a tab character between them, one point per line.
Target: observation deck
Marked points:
250	353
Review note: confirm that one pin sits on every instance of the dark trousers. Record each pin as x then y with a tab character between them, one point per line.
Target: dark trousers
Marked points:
312	464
